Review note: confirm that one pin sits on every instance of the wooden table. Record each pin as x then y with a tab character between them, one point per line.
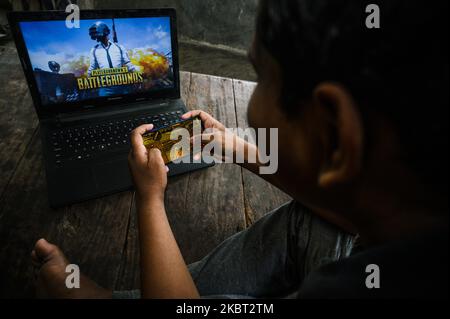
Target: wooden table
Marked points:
204	207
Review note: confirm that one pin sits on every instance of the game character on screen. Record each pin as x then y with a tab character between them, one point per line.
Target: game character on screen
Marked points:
107	55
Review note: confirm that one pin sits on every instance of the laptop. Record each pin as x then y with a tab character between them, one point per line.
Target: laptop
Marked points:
91	85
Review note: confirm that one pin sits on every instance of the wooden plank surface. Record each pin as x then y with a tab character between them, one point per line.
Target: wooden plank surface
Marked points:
24	214
260	197
92	234
207	206
129	273
18	124
18	120
128	277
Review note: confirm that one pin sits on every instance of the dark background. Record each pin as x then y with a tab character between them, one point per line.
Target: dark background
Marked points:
219	32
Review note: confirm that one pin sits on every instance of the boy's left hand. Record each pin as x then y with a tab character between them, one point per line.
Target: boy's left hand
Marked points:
147	166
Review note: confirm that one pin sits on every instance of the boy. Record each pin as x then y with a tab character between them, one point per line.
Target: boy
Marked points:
363	135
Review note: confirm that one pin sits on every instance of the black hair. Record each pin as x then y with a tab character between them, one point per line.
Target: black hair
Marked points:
399	69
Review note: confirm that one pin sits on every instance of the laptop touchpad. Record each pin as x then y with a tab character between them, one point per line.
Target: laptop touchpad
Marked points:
112	176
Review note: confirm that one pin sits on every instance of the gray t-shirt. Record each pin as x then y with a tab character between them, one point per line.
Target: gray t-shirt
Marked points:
414	268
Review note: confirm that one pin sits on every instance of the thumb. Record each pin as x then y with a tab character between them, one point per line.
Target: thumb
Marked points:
155	157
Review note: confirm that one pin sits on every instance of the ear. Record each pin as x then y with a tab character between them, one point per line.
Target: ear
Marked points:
344	140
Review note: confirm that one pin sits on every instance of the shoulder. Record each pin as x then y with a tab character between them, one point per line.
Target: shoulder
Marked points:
121	47
406	269
94	48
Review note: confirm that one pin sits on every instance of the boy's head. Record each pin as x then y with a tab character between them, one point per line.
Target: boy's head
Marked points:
362	113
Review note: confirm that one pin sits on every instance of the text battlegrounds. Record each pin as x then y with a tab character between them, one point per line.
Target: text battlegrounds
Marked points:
109	77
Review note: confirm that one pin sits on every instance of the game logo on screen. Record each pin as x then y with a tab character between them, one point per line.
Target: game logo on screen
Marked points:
102	58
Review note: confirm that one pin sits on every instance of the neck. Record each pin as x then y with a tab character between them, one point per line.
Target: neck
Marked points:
392	203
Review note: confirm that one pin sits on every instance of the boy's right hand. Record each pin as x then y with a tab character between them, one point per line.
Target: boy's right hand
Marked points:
147	167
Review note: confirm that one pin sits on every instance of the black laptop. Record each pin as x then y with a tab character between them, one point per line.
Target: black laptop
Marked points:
91	85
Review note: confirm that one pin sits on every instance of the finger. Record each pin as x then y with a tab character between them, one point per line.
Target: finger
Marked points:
190	114
207	133
196	142
207	119
156	161
137	143
202	114
43	249
207	137
155	157
204	139
197	156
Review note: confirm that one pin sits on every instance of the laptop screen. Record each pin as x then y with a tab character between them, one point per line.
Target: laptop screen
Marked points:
102	58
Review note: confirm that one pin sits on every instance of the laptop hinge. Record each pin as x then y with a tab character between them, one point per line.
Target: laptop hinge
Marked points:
62	118
58	120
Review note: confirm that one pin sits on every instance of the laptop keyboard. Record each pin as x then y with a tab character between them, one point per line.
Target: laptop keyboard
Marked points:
107	137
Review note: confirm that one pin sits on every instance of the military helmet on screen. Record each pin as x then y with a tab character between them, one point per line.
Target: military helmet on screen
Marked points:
54	66
98	30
